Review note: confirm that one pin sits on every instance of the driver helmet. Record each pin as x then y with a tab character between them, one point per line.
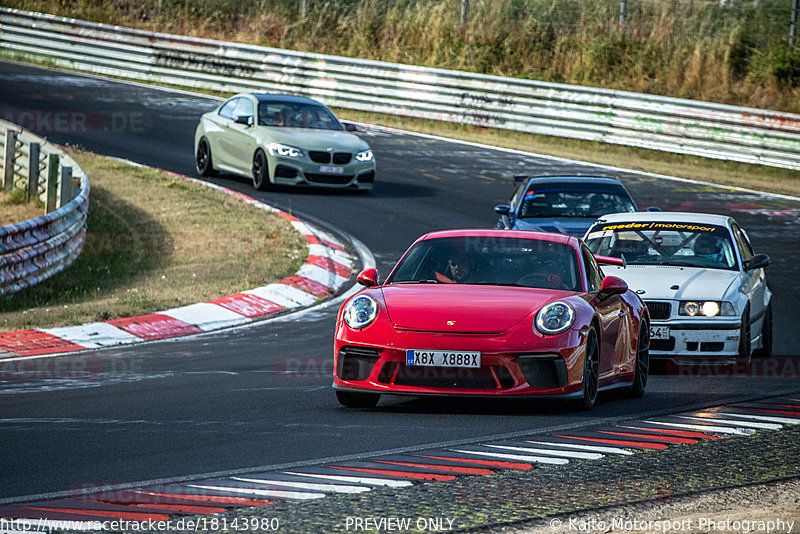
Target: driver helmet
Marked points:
707	246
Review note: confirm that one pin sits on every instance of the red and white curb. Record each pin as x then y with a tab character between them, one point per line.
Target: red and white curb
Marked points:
327	268
85	507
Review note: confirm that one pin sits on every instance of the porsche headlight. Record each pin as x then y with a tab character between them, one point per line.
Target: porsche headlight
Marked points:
360	311
276	149
555	318
705	308
364	156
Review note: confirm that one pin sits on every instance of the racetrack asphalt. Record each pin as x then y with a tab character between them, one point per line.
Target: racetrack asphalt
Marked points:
261	396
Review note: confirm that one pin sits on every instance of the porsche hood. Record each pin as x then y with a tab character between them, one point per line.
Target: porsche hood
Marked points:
458	308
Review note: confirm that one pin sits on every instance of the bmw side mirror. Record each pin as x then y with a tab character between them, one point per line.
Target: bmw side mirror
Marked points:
368	277
247	120
613	286
502	209
350	127
758	261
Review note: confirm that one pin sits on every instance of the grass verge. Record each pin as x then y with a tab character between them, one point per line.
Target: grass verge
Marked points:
15	207
154	243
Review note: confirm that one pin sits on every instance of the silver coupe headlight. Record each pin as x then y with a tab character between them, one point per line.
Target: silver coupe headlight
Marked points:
360	311
276	149
364	156
555	318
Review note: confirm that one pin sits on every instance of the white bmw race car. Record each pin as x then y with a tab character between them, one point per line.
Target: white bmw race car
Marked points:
699	277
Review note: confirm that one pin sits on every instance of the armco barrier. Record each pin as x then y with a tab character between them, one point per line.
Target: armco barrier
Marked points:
36	249
660	123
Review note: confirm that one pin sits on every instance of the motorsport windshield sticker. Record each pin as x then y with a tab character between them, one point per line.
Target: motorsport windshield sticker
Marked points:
602	230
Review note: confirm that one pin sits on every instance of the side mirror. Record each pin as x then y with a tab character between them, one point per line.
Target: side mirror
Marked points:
757	262
247	120
368	277
613	286
502	209
653	208
350	127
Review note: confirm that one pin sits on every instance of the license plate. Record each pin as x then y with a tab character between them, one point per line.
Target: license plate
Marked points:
331	170
443	358
659	332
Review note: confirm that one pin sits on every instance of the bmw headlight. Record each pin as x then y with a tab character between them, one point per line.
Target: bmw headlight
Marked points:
705	308
360	311
364	156
555	318
276	149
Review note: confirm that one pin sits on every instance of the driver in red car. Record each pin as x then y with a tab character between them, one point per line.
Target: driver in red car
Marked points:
458	270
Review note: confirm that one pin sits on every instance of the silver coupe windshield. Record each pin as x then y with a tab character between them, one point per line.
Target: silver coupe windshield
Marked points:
490	261
297	115
664	243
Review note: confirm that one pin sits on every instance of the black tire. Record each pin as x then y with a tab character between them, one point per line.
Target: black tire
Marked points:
745	344
642	360
260	171
357	400
766	335
202	160
591	372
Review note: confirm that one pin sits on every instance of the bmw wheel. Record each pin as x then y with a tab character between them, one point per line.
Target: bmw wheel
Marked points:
745	344
260	171
766	335
642	360
203	161
357	400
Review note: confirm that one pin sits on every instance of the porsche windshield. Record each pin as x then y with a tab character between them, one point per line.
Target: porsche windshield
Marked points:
573	200
664	243
296	115
490	261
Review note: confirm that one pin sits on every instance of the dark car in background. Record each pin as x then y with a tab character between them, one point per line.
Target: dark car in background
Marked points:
563	204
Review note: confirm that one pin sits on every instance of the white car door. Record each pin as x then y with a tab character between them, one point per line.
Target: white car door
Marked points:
753	282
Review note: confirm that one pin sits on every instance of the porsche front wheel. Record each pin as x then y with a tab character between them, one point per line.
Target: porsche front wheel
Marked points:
357	400
642	360
591	367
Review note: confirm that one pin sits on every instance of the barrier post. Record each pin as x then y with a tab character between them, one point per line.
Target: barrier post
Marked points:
33	169
65	186
8	161
52	183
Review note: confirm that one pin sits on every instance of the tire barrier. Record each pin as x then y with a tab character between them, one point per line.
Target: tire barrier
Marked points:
33	250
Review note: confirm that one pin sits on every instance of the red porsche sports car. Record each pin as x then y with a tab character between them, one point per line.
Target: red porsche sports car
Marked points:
491	313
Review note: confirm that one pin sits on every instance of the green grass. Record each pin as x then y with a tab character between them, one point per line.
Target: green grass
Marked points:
153	243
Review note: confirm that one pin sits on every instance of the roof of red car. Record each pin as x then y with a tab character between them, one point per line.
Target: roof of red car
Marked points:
518	234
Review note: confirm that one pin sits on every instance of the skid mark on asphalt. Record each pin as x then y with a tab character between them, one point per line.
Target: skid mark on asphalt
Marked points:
89	504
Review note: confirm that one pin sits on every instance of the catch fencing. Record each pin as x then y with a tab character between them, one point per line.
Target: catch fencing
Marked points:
36	249
660	123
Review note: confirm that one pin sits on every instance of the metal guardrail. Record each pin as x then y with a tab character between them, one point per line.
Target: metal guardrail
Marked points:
660	123
36	249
